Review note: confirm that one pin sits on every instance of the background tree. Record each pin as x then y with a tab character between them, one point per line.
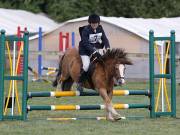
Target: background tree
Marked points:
62	10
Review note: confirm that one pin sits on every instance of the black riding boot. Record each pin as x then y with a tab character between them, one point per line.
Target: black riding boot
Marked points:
81	80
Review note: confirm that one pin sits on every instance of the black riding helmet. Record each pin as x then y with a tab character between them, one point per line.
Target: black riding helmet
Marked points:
94	18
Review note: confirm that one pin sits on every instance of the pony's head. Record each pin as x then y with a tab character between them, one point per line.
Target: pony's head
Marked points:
119	77
119	60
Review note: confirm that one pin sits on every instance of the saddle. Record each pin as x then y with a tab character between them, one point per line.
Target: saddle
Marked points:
87	75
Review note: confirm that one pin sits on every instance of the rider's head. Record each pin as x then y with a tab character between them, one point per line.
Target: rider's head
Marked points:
94	20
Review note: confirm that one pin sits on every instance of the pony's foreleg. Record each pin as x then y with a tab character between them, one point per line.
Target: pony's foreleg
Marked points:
110	94
110	89
115	115
112	114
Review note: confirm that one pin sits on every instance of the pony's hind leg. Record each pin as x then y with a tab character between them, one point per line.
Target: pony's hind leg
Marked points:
56	81
67	84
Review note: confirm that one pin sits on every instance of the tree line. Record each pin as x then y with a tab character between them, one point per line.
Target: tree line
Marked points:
62	10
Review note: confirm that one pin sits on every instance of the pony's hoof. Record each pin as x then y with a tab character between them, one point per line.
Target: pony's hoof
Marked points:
79	88
117	117
110	119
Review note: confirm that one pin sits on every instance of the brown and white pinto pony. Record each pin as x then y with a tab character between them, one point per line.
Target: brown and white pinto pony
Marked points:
101	78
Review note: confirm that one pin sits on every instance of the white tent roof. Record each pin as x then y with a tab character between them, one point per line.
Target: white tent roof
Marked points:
10	19
141	26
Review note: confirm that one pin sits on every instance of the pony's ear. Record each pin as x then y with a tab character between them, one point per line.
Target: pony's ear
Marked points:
126	61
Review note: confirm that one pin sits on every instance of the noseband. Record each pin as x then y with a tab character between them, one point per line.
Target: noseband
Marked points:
122	77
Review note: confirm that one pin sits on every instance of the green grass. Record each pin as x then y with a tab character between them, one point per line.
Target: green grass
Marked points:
37	123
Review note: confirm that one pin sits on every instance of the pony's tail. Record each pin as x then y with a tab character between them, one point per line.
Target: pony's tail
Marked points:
55	82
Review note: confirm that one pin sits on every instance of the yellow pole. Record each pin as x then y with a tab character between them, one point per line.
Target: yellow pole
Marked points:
165	84
10	87
160	81
16	89
162	71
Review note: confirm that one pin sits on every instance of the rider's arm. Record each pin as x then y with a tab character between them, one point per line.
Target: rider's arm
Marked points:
85	41
104	39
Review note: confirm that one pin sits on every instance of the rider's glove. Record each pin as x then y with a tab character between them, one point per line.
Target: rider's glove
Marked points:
96	55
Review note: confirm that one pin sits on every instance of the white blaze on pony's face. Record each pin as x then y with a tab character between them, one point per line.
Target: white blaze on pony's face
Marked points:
120	74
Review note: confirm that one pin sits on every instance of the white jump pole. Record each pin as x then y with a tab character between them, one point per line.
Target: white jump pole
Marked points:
13	73
162	72
161	45
64	44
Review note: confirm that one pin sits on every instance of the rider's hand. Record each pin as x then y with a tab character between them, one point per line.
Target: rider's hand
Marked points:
97	55
107	49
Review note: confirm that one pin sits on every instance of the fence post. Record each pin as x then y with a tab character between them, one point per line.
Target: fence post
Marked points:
151	73
2	59
173	75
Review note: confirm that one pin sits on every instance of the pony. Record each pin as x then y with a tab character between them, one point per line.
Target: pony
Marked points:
101	77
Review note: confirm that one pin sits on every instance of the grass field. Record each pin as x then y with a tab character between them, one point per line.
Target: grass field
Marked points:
37	123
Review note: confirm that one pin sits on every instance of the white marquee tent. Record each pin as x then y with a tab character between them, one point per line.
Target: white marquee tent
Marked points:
10	19
140	26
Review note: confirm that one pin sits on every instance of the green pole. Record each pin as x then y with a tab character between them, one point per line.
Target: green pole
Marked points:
151	73
2	56
173	75
25	75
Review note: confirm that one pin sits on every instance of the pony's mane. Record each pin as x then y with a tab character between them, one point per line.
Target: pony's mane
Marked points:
115	53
